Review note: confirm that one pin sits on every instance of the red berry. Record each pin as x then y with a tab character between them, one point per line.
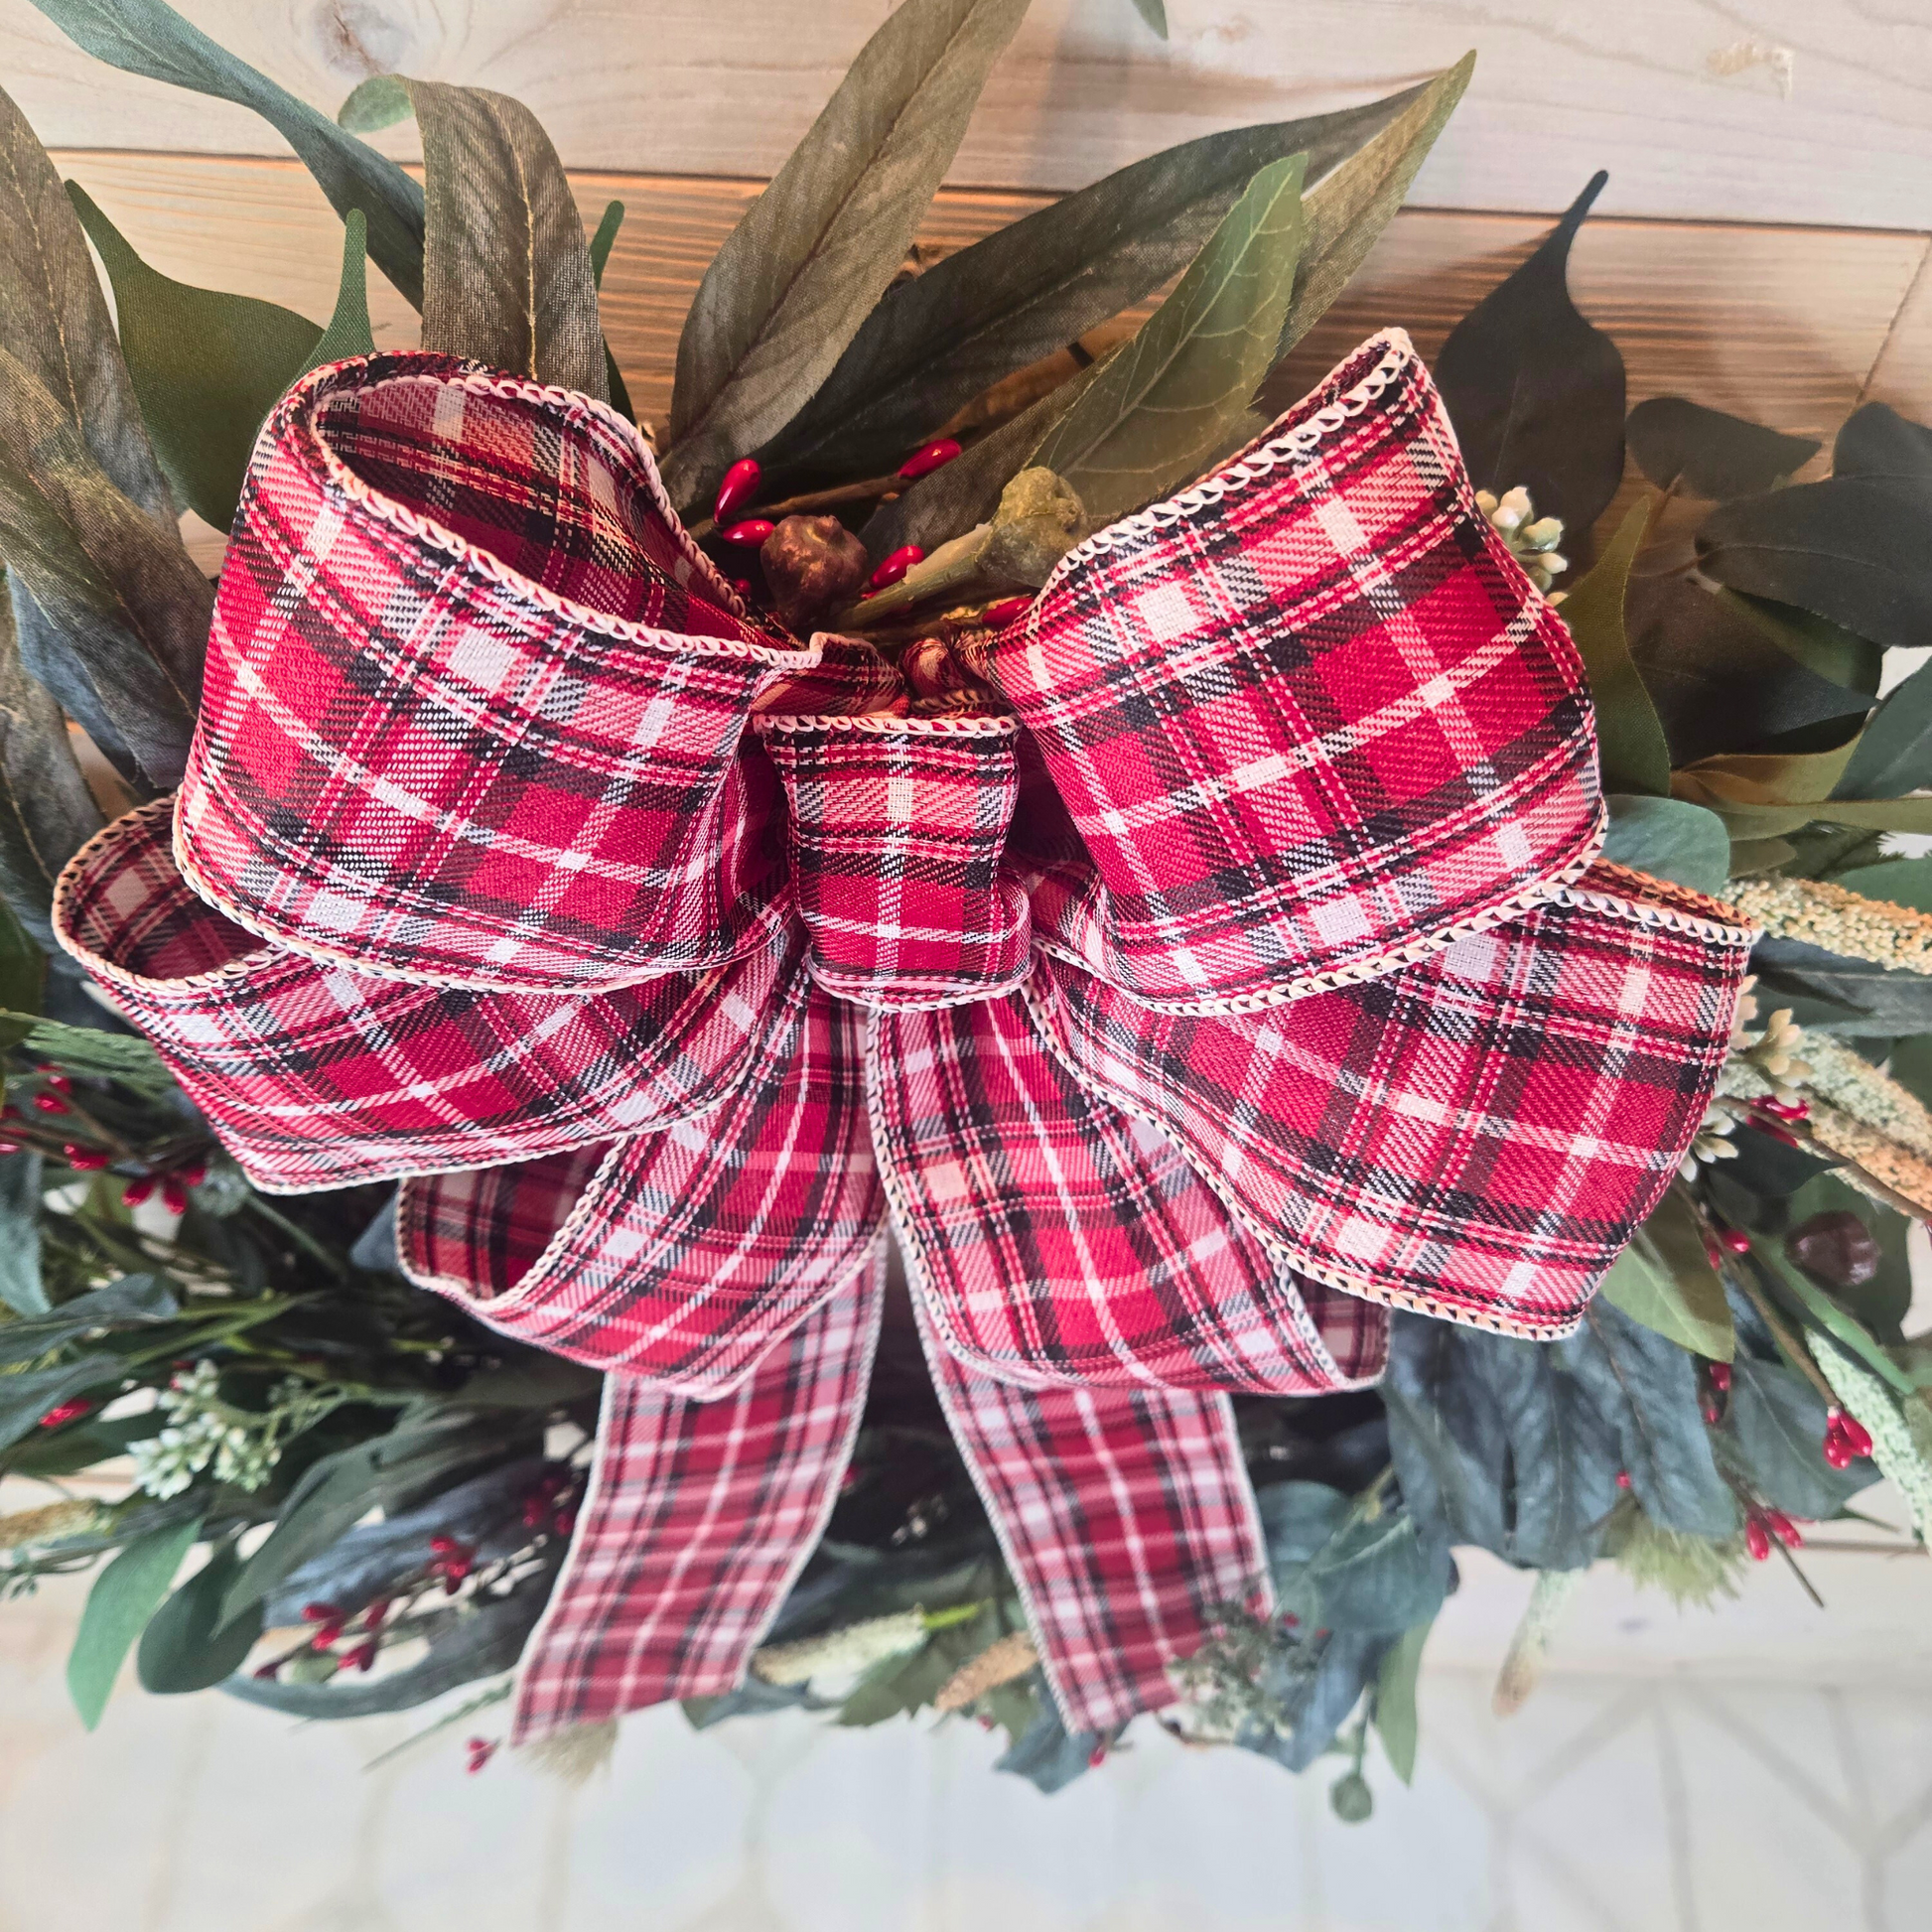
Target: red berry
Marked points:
445	1545
325	1635
1757	1541
1623	1478
1720	1374
83	1160
1837	1450
740	486
934	456
65	1412
751	534
566	1521
9	1147
58	1083
1736	1240
269	1672
137	1190
174	1194
321	1613
363	1657
192	1173
1009	610
534	1511
1096	1757
52	1103
1711	1412
1784	1528
1853	1434
10	1112
742	585
1788	1109
896	566
482	1750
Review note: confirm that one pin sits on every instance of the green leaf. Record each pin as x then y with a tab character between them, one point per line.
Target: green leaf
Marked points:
134	1299
206	366
941	337
1816	643
1898	882
88	1051
1379	1577
1535	393
1155	13
1894	752
123	1598
380	102
119	587
21	1287
506	276
47	813
1347	209
1776	1422
348	332
800	273
186	1645
1394	1699
1665	1280
1857	996
26	1398
1710	452
605	238
1763	794
1880	444
1162	404
1825	1313
149	38
334	1493
1629	735
23	966
1669	840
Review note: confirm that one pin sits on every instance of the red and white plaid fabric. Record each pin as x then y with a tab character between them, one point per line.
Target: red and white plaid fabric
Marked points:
1310	716
898	826
1310	1018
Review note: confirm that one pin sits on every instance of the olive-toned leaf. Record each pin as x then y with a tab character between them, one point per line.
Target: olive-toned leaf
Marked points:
206	366
21	1287
1664	1280
942	338
1763	794
348	332
1851	549
23	973
148	37
801	271
1669	838
1155	13
1159	406
120	590
47	658
1717	679
1880	444
1675	441
1894	752
1629	735
123	1598
1394	1699
1824	1313
47	813
506	274
1535	393
1835	653
186	1646
1348	206
53	317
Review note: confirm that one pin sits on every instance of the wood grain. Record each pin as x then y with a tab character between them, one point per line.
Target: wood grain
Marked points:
689	86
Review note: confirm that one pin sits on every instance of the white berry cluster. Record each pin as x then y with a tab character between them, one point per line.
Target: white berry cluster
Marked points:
1531	539
240	1446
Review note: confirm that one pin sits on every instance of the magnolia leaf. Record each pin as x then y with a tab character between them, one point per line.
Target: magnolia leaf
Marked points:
1710	452
21	1286
206	366
1394	1699
186	1645
944	337
149	38
1894	753
1446	1438
800	273
47	813
1158	407
1762	794
1669	838
1851	549
1719	681
507	275
1776	1420
1878	443
1155	13
1379	1575
123	1598
1665	1280
1854	994
1630	737
1535	393
348	332
1898	882
120	589
1816	643
49	660
1347	209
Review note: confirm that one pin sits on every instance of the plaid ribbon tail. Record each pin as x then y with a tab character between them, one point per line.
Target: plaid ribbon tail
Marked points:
1127	1521
699	1517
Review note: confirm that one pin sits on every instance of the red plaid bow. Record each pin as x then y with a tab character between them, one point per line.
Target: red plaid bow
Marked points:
1248	976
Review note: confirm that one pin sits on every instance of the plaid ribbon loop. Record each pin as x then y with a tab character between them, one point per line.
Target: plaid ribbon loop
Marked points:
1247	977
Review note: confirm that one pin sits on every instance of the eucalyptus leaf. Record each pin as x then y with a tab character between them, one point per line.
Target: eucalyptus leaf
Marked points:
1155	13
21	1287
940	339
348	332
1894	752
1856	996
149	38
334	1493
800	273
25	1397
186	1646
123	1598
1629	735
1395	1701
380	102
1161	405
133	1300
1709	452
1535	393
506	274
206	366
1669	838
1664	1281
1898	882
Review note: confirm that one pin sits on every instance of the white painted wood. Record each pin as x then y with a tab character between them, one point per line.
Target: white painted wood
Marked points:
696	86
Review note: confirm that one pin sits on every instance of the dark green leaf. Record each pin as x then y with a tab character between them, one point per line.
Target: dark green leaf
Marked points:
149	38
1669	838
1711	453
1899	881
1395	1701
206	366
506	276
1320	1703
123	1598
25	1399
21	1287
1894	752
1629	735
1871	999
1534	392
1447	1436
79	1445
125	1057
942	338
185	1646
1883	1300
334	1496
1380	1575
800	273
1049	1755
1298	1520
1664	1280
23	965
1162	404
1777	1423
1816	643
132	1301
1155	13
348	330
605	240
1823	1313
1876	442
754	1698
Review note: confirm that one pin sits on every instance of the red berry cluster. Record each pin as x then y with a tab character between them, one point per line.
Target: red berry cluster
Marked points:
551	1504
482	1750
1845	1439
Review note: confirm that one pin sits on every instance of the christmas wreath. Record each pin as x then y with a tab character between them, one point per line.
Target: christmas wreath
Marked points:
1271	936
